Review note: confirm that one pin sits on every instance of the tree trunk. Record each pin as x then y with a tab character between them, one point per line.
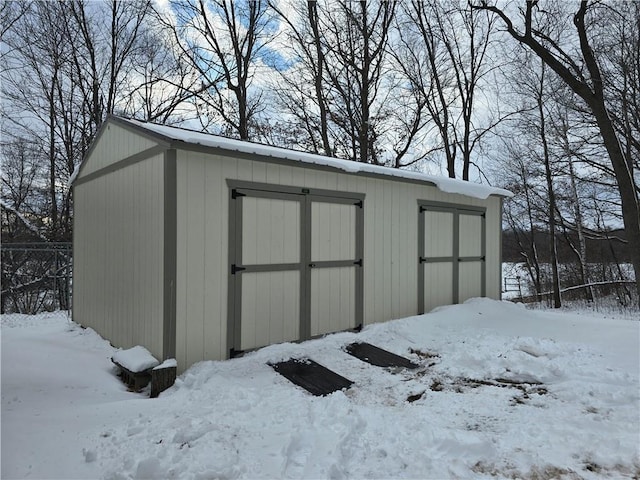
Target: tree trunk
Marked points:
533	263
312	12
52	158
555	279
582	242
626	186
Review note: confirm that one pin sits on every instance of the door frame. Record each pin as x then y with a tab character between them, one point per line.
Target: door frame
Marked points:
237	190
456	210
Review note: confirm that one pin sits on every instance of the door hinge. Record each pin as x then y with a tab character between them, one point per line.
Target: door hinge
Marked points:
235	269
358	262
359	203
421	259
235	194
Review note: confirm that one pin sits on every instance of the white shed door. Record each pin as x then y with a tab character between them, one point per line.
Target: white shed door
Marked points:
470	256
333	266
296	266
270	257
452	255
437	260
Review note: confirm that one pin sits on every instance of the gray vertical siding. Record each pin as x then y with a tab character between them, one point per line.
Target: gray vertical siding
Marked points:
390	244
118	244
115	144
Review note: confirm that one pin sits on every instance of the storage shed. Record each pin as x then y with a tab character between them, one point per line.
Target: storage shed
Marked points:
199	247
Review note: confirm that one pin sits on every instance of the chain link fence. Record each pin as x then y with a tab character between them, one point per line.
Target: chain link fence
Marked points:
36	277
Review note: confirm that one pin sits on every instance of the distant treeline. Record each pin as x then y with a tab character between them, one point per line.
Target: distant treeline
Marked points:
601	247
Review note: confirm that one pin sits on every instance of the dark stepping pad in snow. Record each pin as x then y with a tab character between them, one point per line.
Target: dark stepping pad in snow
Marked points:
311	376
377	356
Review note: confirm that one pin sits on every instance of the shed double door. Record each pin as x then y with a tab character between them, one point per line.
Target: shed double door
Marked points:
452	250
295	264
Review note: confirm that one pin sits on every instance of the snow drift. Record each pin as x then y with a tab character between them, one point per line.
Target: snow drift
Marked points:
501	392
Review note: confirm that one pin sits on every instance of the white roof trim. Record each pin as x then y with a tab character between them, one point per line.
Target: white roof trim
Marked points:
448	185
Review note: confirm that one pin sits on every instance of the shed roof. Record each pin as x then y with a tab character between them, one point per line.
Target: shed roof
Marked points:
175	136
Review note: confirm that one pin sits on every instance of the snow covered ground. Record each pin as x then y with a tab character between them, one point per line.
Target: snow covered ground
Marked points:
503	392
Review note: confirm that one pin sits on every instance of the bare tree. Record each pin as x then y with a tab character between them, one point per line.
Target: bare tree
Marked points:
103	43
538	178
581	70
356	36
453	41
301	87
66	70
620	39
521	213
561	124
11	11
342	85
224	41
539	95
22	203
38	42
165	85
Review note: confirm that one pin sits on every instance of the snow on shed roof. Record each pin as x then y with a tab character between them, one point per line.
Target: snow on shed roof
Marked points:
448	185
